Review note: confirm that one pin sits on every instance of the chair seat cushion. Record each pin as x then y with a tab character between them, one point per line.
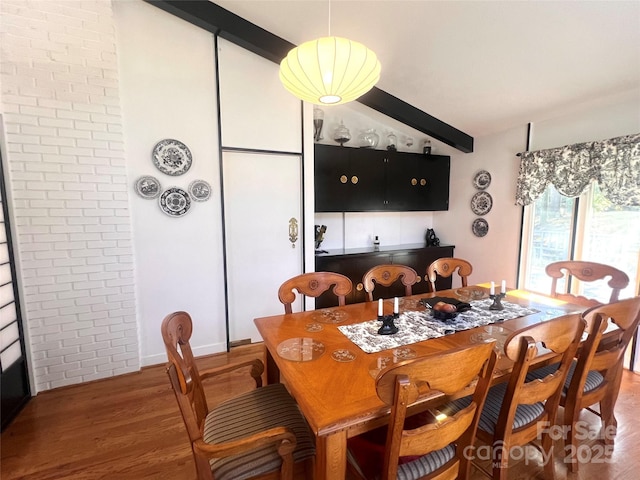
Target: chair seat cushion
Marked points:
525	414
594	378
366	451
250	413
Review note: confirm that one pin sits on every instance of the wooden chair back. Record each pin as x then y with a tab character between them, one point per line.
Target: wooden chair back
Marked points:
186	381
604	358
586	272
452	374
447	266
561	337
386	275
314	284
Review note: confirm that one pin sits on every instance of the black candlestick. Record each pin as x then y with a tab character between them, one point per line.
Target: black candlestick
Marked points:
388	327
496	305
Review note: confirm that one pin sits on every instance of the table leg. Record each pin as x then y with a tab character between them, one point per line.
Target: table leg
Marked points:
273	372
331	456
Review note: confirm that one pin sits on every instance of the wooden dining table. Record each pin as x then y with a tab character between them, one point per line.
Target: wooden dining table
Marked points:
333	379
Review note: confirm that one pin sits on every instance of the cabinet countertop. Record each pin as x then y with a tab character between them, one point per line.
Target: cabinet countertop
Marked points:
371	249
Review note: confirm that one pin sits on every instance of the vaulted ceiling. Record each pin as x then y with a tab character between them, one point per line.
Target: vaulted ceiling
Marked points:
480	66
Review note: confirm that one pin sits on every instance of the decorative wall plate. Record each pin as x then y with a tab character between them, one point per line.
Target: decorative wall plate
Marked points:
199	190
171	157
175	202
147	187
480	227
481	203
482	179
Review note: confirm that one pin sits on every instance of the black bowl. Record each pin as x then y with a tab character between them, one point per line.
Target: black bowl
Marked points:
440	315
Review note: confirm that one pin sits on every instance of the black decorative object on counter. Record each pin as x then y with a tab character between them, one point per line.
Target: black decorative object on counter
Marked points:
431	239
319	230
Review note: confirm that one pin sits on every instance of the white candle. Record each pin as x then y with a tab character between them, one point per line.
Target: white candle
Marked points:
380	307
395	305
503	287
492	291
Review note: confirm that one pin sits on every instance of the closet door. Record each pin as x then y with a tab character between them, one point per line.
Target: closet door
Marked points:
262	204
261	141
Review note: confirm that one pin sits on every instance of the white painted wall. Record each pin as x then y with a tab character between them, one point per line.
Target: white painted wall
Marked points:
168	93
494	256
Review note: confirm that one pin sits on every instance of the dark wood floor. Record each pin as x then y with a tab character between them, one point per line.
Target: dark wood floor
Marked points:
129	427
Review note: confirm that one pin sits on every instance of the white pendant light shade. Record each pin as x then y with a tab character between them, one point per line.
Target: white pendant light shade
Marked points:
329	71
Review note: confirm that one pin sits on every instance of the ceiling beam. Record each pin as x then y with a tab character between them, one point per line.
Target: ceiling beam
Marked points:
231	27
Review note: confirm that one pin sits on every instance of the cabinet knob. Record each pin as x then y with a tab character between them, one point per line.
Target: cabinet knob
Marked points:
423	182
414	181
359	287
418	279
343	179
354	179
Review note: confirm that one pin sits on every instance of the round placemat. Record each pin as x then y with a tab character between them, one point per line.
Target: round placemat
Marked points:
300	349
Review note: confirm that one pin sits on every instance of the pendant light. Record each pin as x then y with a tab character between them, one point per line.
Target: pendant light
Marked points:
329	70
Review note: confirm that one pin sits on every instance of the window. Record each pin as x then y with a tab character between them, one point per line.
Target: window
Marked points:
588	227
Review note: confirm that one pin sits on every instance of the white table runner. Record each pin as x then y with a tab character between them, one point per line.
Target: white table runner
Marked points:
414	327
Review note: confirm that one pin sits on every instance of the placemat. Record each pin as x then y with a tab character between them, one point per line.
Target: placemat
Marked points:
415	327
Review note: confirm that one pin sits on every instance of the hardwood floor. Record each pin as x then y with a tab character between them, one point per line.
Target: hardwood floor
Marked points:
129	427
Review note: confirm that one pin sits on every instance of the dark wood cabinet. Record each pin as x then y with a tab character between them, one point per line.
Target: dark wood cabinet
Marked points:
361	180
354	263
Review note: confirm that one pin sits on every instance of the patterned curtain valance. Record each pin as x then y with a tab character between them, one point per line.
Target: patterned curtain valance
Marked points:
613	163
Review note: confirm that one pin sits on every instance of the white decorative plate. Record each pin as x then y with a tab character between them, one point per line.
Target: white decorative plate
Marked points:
480	227
175	202
481	203
147	187
482	179
199	190
171	157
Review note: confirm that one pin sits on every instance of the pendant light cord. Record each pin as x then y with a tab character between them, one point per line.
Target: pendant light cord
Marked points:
329	20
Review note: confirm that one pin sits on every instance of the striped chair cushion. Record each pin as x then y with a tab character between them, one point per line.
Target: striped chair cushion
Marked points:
253	412
525	414
594	378
425	464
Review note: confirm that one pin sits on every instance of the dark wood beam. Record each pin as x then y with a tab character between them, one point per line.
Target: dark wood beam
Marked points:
231	27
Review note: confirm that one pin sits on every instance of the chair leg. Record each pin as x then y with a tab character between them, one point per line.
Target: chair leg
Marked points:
609	421
571	417
500	462
547	453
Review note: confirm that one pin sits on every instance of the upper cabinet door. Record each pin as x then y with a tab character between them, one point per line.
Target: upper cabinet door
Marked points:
348	179
417	182
256	111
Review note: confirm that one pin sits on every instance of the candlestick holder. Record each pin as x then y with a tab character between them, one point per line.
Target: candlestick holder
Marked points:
497	299
388	327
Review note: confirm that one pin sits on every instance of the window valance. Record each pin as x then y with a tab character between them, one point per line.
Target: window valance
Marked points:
613	163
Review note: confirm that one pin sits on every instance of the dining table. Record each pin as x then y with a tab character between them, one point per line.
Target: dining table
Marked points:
329	358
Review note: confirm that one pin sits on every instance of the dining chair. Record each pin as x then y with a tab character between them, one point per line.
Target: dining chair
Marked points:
386	275
595	376
258	434
516	413
446	267
426	445
314	284
586	272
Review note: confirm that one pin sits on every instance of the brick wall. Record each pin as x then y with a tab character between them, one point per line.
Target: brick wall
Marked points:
69	188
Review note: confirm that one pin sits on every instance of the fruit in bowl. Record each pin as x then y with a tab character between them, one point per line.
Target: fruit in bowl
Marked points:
445	307
444	311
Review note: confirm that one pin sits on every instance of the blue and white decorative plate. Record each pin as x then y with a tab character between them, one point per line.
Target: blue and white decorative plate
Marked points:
481	203
480	227
482	180
199	190
147	187
172	157
175	202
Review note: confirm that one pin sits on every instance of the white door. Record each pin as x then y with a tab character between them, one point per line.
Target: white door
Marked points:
262	196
